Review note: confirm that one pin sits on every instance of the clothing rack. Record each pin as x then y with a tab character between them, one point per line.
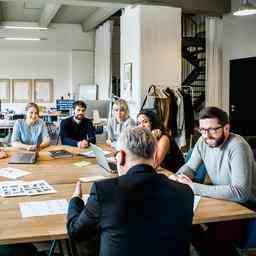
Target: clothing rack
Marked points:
190	88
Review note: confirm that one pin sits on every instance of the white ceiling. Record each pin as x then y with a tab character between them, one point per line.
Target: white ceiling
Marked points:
89	13
43	12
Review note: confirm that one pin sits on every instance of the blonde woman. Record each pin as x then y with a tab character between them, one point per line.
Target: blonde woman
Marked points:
119	121
30	132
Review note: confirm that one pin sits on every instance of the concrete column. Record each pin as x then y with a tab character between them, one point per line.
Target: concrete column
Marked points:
151	42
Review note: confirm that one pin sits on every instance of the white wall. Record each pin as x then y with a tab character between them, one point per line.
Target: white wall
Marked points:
151	41
239	40
67	56
82	69
130	53
32	65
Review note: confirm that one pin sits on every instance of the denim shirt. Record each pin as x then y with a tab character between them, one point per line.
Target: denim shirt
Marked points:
30	135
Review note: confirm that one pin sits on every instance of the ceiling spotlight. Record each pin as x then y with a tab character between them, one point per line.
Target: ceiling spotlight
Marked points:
24	27
22	38
246	8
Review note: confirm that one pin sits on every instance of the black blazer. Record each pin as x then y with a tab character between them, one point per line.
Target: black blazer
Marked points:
140	213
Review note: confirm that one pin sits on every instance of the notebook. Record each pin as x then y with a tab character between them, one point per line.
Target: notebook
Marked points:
61	153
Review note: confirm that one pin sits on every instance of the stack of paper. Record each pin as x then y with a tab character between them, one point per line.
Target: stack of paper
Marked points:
43	208
91	154
196	201
85	197
21	188
12	173
92	178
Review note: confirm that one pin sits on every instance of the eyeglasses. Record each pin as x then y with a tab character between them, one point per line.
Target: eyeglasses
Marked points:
210	130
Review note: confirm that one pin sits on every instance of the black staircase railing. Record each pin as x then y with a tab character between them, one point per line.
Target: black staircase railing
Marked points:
193	53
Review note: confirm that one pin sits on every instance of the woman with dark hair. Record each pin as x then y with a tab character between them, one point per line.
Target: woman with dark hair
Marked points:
168	153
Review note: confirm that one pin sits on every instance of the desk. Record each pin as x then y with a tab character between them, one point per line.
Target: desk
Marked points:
56	171
14	229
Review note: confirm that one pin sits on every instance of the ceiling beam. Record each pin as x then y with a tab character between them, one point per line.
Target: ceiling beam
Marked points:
95	3
48	14
98	17
203	6
218	7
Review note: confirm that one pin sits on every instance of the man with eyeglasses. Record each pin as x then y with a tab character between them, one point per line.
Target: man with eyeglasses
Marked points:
229	162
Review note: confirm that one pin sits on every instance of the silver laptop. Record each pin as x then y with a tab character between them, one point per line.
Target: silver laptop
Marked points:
102	160
23	158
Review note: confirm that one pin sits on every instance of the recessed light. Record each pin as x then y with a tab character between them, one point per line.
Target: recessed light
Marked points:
25	27
22	38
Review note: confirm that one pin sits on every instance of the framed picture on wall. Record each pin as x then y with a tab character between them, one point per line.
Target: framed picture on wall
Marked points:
127	85
21	90
5	90
43	90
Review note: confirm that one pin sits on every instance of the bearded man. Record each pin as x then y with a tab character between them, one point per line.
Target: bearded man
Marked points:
231	168
77	130
228	159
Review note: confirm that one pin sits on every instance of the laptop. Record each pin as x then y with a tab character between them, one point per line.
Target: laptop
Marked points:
25	157
102	160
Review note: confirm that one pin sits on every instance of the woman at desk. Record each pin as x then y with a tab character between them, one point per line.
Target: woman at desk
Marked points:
168	154
118	122
31	132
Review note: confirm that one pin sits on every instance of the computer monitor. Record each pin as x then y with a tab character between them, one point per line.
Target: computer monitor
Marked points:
64	105
101	105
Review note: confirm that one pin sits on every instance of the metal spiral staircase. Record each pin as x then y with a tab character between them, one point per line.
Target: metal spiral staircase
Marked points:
193	61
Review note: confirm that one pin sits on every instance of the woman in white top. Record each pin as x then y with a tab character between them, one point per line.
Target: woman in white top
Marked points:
118	122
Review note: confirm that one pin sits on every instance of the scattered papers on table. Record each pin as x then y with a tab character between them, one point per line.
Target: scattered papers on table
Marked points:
92	178
12	173
82	163
91	154
43	208
22	188
85	197
196	201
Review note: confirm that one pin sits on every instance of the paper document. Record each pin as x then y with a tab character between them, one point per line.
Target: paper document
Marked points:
85	197
92	178
12	173
196	201
11	188
18	188
82	163
111	159
91	154
43	208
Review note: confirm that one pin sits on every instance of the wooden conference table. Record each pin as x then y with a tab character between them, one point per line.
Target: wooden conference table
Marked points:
62	174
